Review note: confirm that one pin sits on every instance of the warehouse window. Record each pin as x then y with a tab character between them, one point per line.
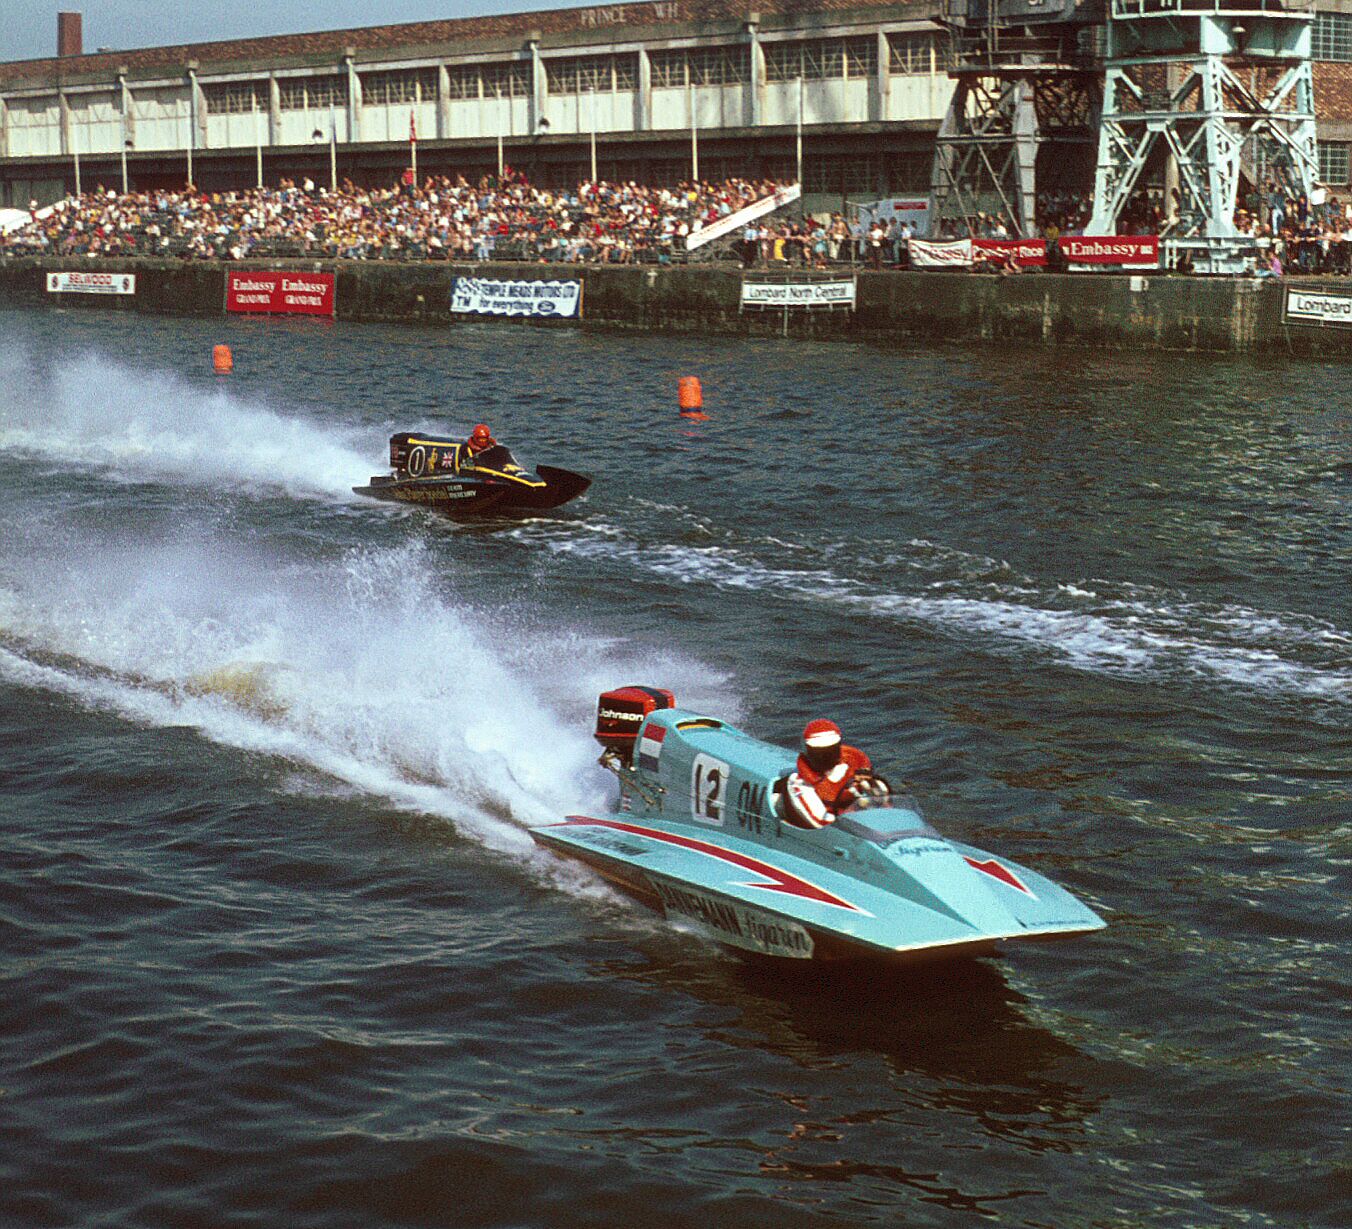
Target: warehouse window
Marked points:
912	54
235	97
1332	37
397	88
313	93
505	80
821	59
1333	163
591	74
725	65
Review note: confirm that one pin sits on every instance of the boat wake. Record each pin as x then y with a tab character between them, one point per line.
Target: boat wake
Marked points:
1098	626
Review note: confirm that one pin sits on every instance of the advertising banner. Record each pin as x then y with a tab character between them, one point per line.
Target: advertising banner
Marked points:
1324	308
754	211
926	255
486	296
1133	251
898	209
798	294
309	294
1024	252
91	283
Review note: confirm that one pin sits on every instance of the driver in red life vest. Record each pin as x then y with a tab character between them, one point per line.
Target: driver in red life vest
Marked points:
822	787
479	439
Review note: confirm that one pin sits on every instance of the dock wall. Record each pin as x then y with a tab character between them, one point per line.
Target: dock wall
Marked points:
1115	311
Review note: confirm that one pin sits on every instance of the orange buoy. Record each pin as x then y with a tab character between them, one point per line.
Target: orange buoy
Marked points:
690	395
222	360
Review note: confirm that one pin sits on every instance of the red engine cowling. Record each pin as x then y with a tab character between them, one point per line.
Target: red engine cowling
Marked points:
619	714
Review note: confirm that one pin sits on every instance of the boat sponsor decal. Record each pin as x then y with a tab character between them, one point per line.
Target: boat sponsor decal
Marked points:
293	294
708	784
997	870
91	283
488	296
780	880
650	747
734	922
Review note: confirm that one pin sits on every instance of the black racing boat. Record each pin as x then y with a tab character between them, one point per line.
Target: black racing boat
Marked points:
442	475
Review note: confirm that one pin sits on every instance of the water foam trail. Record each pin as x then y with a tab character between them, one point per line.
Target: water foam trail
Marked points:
1114	629
154	426
363	673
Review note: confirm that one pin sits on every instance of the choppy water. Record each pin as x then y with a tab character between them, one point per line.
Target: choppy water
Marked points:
277	950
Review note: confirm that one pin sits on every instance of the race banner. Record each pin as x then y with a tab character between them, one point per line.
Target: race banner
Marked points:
308	294
926	255
799	294
91	283
757	209
1323	308
489	297
1131	251
1024	252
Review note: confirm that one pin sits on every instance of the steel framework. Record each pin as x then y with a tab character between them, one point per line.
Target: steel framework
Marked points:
1198	92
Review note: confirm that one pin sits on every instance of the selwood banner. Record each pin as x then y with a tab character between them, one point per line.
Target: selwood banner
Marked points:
799	294
486	296
1132	251
91	283
309	294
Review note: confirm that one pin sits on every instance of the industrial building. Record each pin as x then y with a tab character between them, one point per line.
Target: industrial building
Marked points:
849	93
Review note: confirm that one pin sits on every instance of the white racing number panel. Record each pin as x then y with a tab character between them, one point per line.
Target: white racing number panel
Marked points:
708	788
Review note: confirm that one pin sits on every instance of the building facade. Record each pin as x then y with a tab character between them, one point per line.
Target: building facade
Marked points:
849	93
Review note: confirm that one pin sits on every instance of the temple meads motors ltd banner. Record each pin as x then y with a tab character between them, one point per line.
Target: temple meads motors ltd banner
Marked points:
91	283
798	294
489	297
309	294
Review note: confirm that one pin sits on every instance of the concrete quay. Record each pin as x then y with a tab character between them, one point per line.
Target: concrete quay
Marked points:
1143	311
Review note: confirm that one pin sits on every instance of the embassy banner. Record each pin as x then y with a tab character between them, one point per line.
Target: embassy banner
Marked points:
926	255
489	297
1133	251
91	283
308	294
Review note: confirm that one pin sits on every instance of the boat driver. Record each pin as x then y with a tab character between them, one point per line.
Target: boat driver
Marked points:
828	777
479	439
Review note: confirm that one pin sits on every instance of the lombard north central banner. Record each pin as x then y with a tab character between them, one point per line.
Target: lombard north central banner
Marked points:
91	283
799	294
1134	251
490	297
1325	308
309	294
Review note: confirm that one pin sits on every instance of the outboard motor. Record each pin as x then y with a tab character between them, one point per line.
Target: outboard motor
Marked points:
619	714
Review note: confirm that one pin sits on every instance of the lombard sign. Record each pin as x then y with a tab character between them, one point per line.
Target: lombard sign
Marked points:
798	294
490	297
91	283
1322	308
308	294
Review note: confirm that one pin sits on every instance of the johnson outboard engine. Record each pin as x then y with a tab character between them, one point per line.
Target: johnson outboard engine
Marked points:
619	714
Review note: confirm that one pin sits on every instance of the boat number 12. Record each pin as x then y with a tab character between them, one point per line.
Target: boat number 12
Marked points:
708	784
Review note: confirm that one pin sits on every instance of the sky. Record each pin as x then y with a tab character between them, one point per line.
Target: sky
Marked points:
28	31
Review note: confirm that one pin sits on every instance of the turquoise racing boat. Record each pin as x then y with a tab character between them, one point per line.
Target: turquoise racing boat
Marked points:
705	832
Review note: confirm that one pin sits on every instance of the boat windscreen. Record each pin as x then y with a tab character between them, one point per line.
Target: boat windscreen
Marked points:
885	825
498	457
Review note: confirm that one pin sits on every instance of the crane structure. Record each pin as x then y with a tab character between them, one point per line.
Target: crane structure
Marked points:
1183	101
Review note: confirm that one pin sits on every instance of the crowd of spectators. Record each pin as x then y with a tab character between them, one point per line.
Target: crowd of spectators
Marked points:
497	218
